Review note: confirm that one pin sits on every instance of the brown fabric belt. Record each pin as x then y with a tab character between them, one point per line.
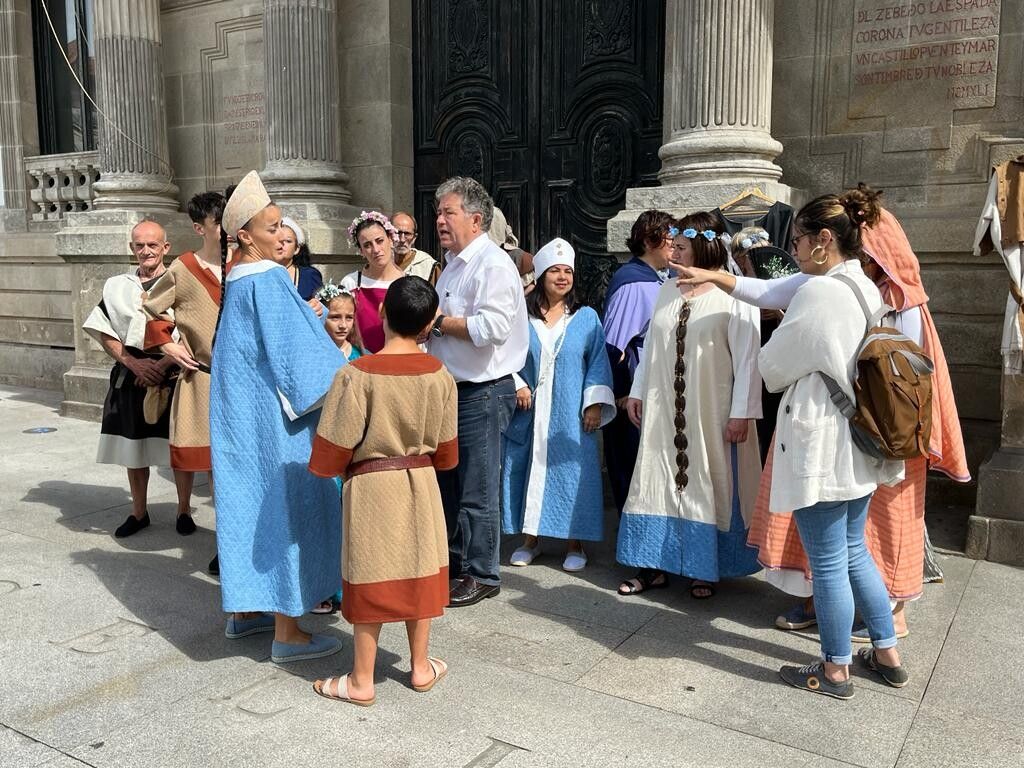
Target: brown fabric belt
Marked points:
385	465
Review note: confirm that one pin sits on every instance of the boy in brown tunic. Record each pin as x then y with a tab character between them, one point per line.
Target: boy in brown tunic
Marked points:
388	422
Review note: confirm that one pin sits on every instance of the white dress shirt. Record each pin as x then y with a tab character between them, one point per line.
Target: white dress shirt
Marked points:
482	285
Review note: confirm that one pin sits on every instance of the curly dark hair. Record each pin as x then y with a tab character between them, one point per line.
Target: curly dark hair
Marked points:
649	230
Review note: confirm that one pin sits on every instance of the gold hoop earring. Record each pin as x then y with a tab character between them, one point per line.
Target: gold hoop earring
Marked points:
818	248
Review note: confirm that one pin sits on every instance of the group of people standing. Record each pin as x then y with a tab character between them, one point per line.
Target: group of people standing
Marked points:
473	405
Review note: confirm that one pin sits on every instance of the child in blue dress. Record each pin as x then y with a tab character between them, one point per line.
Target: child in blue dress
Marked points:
340	324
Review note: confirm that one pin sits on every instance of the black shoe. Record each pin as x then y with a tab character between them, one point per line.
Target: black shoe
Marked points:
214	567
897	677
470	592
185	525
132	525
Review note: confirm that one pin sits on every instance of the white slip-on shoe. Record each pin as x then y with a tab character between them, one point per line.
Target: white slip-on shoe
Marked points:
524	556
575	561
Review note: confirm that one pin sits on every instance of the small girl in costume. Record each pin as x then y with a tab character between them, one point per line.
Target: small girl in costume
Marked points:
340	324
388	423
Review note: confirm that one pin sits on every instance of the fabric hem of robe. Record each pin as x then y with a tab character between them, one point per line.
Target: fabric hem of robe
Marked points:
413	599
684	547
133	454
190	458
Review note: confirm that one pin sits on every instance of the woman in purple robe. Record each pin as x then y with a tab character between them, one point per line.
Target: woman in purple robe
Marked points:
629	304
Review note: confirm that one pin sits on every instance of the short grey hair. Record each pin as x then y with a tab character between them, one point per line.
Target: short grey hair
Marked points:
163	230
474	197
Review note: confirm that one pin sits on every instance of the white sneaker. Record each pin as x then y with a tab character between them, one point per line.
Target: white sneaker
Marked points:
575	561
524	556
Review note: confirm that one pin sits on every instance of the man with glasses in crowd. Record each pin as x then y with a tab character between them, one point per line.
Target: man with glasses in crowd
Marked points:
409	259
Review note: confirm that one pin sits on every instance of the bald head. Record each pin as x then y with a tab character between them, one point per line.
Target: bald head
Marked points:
149	245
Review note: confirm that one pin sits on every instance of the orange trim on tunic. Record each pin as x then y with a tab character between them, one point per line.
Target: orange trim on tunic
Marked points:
411	364
202	274
447	454
191	458
158	332
328	459
894	533
398	600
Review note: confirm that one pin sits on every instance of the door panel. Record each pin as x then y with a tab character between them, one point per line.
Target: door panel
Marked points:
554	106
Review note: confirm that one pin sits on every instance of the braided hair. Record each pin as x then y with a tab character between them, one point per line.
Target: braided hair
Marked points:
223	282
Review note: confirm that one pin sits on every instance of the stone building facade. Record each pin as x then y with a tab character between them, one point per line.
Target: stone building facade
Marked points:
334	100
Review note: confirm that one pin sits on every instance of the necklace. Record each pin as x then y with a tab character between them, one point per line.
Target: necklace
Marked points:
546	371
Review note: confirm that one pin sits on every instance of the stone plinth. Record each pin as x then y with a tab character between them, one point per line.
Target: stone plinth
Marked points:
718	104
996	530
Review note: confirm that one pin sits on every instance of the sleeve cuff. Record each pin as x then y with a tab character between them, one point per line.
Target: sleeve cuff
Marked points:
158	333
328	459
599	394
518	382
447	454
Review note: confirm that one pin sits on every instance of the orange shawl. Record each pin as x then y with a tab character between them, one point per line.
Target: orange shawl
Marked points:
887	245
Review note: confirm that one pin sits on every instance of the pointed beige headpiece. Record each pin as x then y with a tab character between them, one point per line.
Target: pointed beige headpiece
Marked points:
249	198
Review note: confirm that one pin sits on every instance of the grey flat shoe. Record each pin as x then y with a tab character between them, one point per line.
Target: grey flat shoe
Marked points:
812	678
897	677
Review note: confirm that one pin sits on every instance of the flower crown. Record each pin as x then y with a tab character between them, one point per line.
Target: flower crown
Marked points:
375	216
708	234
758	237
330	291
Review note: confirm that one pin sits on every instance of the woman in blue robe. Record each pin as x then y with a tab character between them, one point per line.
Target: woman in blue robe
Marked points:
628	307
551	478
278	526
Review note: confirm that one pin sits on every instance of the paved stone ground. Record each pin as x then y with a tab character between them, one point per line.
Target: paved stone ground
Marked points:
112	653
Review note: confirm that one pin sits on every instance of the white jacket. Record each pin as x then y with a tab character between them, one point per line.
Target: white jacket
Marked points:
815	458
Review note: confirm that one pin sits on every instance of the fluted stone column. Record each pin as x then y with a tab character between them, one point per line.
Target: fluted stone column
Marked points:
133	152
718	92
13	195
303	171
718	104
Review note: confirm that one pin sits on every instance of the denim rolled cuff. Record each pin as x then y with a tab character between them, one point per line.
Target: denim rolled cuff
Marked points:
843	661
888	642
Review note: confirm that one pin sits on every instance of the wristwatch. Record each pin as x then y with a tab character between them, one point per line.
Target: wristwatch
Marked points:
435	329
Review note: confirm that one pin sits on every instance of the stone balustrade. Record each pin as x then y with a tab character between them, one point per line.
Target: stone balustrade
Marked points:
61	184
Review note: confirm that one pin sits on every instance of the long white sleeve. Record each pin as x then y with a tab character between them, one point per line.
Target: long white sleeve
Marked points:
769	294
908	322
744	344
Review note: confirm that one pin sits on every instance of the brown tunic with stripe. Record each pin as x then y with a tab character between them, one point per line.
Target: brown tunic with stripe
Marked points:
394	552
187	298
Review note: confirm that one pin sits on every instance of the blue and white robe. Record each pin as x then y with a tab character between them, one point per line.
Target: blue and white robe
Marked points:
278	525
551	478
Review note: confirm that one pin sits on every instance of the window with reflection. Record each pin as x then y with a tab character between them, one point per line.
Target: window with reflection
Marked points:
64	62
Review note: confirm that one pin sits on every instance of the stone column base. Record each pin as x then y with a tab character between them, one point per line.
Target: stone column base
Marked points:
85	388
681	199
996	531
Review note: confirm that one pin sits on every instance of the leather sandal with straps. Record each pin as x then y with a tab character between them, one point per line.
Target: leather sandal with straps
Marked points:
323	688
440	668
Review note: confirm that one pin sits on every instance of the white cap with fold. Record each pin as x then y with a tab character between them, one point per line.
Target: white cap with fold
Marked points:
558	251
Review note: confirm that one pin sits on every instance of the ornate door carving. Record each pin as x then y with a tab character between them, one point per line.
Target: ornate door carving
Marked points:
554	105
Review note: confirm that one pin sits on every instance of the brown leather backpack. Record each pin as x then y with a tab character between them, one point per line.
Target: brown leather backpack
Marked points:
892	416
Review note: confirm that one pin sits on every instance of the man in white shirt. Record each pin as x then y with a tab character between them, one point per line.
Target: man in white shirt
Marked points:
482	337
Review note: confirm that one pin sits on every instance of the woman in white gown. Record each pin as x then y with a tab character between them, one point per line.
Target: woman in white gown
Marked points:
694	396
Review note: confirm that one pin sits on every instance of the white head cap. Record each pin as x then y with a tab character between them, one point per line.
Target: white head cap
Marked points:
249	198
558	251
501	233
300	236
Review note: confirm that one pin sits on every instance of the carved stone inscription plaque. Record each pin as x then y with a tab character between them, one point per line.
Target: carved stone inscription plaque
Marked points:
914	60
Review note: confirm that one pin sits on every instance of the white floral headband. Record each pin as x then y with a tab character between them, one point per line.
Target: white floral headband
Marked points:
375	216
758	237
330	291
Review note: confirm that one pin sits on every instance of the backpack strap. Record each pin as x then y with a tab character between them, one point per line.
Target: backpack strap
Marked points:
873	319
836	395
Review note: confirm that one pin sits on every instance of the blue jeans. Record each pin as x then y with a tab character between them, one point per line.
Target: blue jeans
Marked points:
471	493
844	573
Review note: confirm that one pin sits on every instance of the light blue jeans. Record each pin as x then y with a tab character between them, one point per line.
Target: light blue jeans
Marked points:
844	575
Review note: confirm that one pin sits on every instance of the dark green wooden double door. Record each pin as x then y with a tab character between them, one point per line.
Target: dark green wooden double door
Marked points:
554	105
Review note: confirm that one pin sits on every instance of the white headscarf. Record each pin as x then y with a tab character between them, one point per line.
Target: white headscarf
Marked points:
249	198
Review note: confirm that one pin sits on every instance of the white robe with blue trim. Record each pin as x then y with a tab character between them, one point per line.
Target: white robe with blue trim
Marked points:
702	531
551	478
